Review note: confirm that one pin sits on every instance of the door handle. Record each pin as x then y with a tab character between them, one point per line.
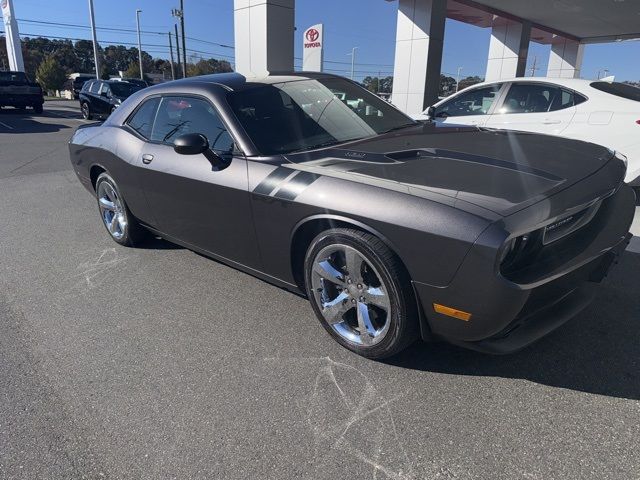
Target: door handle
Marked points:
146	158
548	121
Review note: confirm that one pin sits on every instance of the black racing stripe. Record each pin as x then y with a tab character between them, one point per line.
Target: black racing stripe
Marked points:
295	186
470	157
271	182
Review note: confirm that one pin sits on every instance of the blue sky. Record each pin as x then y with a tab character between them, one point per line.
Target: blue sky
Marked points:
367	24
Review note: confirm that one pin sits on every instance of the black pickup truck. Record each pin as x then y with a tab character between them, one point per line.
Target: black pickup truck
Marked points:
17	91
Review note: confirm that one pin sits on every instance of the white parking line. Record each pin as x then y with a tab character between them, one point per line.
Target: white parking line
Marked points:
5	125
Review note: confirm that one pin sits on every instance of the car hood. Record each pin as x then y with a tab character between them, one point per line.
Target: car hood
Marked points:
501	171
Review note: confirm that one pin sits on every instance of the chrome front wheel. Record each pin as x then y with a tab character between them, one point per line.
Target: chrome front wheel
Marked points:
351	295
360	292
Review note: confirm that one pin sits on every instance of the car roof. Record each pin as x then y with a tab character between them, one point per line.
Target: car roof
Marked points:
575	83
237	82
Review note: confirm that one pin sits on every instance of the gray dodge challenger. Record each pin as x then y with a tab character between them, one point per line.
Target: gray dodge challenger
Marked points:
395	230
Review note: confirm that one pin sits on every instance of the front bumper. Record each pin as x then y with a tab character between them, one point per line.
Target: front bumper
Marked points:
551	306
508	314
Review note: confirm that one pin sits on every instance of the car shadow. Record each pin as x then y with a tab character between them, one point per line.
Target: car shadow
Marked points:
597	352
26	121
158	243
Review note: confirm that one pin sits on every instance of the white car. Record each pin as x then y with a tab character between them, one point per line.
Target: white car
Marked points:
602	112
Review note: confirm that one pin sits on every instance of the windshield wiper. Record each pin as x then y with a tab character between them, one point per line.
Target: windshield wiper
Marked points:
313	147
399	127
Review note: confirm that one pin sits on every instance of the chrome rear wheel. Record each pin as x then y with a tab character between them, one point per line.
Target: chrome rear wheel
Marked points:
112	211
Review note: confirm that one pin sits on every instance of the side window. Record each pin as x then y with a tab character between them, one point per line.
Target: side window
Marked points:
473	102
535	98
86	86
104	88
180	115
142	119
95	87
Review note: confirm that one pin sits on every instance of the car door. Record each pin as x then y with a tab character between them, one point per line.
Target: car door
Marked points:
103	102
191	200
535	107
471	107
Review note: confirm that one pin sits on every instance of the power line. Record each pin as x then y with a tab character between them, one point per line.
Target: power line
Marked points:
164	48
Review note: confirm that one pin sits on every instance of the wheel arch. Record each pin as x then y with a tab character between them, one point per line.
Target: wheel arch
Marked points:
308	228
94	172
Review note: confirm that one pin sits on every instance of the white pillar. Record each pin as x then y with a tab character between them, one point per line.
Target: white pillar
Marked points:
264	31
508	49
565	59
12	38
419	40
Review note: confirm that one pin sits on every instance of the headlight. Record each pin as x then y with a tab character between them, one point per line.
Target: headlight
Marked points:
622	157
519	248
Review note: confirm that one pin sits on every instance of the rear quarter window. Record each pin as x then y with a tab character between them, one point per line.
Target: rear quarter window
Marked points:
621	90
142	119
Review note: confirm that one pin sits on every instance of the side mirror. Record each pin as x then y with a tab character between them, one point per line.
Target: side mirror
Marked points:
195	143
191	144
431	112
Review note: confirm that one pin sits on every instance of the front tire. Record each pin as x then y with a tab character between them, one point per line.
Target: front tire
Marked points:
116	217
361	293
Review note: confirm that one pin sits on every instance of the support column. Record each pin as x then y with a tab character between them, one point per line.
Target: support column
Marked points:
264	35
508	49
419	41
565	59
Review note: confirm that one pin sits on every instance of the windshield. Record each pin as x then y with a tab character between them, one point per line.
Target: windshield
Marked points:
306	114
618	89
13	77
122	89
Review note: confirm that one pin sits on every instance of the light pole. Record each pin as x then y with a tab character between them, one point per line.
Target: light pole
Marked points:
353	60
138	12
96	59
458	78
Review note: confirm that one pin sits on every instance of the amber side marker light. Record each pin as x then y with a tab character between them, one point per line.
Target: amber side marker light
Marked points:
452	312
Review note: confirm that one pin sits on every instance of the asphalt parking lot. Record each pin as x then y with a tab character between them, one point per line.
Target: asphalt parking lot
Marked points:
158	363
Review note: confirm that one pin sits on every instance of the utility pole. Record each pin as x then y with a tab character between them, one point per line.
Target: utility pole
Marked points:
458	78
173	70
534	66
179	13
96	58
353	60
138	11
178	47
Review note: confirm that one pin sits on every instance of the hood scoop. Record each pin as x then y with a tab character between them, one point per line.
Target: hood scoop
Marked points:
409	155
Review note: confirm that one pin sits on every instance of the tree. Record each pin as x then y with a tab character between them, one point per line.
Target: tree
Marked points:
447	85
51	75
205	67
378	85
134	72
467	82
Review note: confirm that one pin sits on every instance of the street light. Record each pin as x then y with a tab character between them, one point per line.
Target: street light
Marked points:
353	60
138	12
458	78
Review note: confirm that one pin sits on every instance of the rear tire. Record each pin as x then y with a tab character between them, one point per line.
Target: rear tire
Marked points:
86	111
370	310
116	217
38	108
